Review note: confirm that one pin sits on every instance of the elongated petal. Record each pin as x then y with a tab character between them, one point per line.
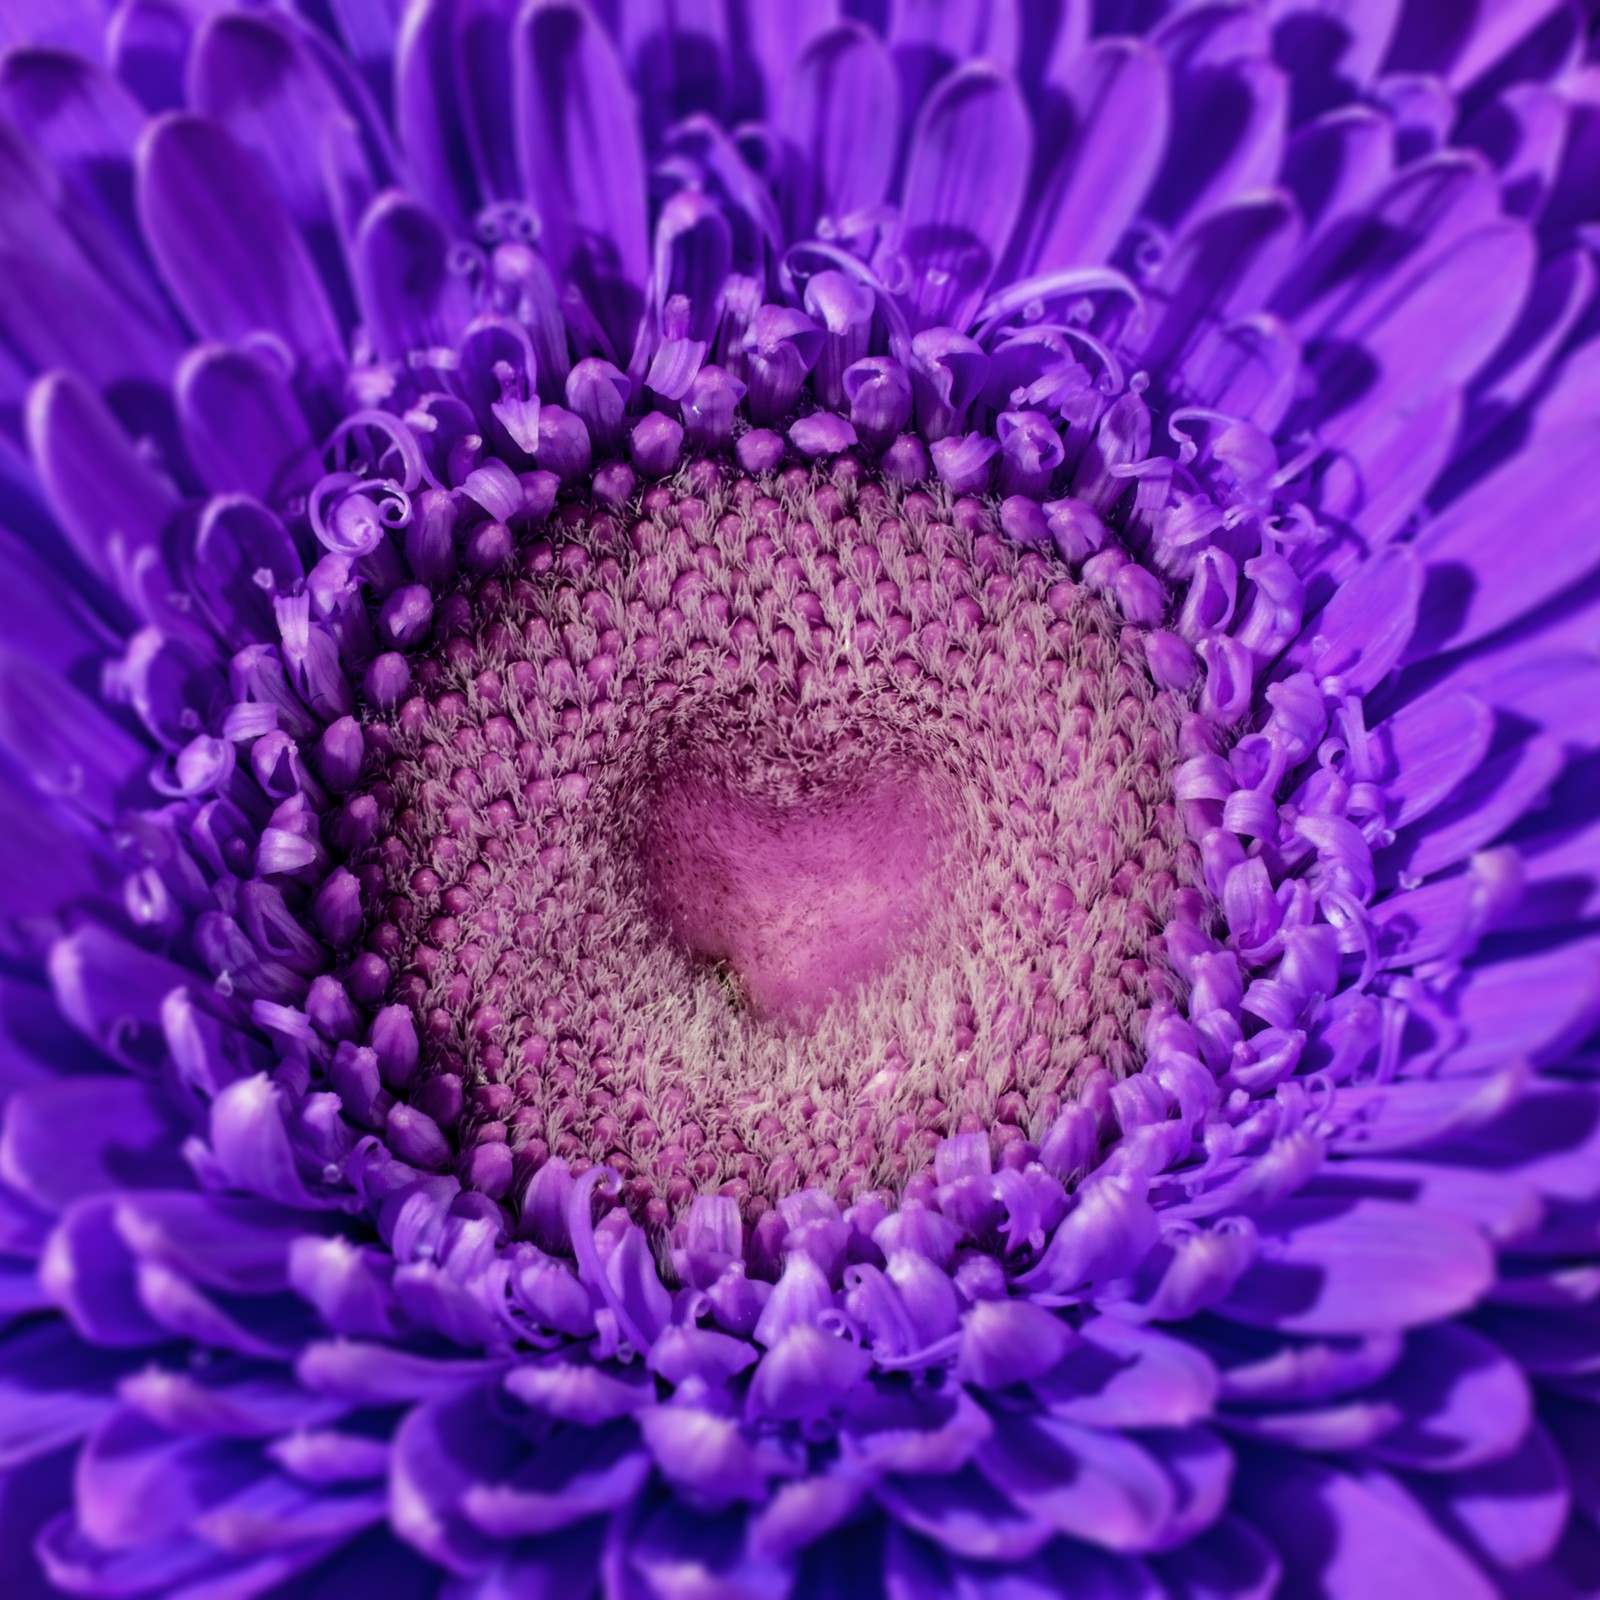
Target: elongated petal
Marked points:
964	186
578	141
225	245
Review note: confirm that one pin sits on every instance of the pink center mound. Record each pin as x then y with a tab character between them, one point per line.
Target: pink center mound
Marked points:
800	898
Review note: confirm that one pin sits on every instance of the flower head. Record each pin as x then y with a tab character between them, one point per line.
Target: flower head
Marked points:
799	799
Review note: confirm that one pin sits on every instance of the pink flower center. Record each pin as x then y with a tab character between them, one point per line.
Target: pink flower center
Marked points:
761	837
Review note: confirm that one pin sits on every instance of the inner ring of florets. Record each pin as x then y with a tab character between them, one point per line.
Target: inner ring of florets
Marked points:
759	834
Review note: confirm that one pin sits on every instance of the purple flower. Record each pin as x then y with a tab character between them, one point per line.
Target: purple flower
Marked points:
798	799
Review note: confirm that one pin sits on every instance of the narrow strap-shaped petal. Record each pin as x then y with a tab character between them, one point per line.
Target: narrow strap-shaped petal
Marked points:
242	555
929	39
678	52
1419	215
410	297
225	246
125	1135
1436	326
242	426
840	114
1429	748
1093	176
61	302
1228	126
1366	1542
1337	163
1545	492
777	39
428	112
46	617
578	140
1355	1266
85	125
1220	269
109	503
259	77
487	102
965	181
1458	42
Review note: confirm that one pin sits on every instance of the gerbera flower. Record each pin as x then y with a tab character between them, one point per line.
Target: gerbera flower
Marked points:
799	799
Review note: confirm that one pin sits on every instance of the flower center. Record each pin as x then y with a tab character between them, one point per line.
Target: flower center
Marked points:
761	833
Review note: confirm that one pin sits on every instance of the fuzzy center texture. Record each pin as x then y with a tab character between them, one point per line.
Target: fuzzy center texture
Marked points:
759	837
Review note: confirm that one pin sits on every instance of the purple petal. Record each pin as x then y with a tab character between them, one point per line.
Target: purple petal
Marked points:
1477	583
1344	1538
1418	218
1436	326
238	544
594	1473
580	153
1099	1487
581	1392
111	991
1230	1561
1463	1402
228	1400
113	508
840	119
1536	1006
1219	270
1091	189
260	78
63	302
964	186
710	1457
431	113
1124	1376
1330	1266
244	430
1429	748
378	1374
123	1135
1512	1510
1229	120
225	246
54	1390
411	297
965	1515
88	1271
1363	629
